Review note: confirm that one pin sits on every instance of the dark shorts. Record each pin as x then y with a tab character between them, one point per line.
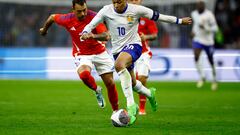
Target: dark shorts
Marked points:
135	50
208	49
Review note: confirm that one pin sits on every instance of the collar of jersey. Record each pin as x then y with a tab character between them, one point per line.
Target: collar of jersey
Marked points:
123	10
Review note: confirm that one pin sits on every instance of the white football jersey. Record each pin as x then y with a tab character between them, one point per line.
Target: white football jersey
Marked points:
207	20
123	27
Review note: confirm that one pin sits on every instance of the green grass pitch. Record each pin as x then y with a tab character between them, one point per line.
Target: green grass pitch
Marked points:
36	107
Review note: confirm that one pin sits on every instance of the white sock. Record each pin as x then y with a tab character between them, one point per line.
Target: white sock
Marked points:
139	88
199	68
214	73
126	83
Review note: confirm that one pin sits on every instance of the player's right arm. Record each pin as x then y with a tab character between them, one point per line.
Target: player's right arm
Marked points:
156	16
47	25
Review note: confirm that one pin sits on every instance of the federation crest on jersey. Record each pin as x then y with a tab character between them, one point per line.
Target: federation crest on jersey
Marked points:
142	22
130	19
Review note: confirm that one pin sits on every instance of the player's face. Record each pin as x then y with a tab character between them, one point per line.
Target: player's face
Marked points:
200	6
80	11
138	2
119	5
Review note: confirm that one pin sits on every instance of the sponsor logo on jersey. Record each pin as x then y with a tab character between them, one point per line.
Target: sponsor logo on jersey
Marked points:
73	29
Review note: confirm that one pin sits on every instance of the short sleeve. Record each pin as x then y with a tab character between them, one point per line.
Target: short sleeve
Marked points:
60	19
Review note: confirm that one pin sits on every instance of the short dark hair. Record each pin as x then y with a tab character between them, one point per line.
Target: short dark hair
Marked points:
80	2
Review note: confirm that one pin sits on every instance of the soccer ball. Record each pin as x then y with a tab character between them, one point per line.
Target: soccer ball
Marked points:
120	118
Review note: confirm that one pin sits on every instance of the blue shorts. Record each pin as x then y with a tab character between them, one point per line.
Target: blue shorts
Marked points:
135	50
208	49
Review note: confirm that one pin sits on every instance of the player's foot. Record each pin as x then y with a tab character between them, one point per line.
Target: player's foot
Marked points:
214	86
200	83
100	99
132	112
152	99
142	112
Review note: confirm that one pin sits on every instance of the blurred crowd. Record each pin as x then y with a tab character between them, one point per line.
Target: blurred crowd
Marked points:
20	24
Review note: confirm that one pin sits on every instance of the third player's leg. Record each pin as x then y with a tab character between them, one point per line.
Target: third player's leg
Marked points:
210	51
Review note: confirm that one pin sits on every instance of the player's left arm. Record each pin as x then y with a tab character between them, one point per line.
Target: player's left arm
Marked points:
152	32
148	37
156	16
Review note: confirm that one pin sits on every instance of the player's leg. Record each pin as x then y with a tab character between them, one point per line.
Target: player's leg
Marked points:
104	66
84	66
210	51
142	98
123	64
197	49
112	90
123	61
142	68
149	93
84	73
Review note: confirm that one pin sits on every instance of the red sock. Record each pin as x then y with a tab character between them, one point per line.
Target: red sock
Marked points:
142	102
113	96
88	79
142	98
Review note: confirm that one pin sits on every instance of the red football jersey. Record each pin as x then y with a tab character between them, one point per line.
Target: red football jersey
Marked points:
74	27
147	27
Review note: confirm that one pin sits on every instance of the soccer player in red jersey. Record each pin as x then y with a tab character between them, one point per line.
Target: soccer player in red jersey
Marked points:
147	30
89	53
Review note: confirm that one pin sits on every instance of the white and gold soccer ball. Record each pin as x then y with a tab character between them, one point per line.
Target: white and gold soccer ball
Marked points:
120	118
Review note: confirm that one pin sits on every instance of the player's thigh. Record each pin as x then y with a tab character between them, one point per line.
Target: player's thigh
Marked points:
83	62
143	65
123	60
197	49
103	63
209	51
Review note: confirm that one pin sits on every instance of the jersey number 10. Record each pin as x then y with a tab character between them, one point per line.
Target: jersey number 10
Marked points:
121	31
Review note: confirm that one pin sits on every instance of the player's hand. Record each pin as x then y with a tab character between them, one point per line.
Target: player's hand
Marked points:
142	36
42	31
186	21
86	36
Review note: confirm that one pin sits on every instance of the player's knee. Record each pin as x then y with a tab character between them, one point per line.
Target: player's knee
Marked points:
84	75
119	66
110	82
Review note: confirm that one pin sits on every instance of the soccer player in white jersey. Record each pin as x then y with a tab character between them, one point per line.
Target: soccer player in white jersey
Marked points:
122	21
204	27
